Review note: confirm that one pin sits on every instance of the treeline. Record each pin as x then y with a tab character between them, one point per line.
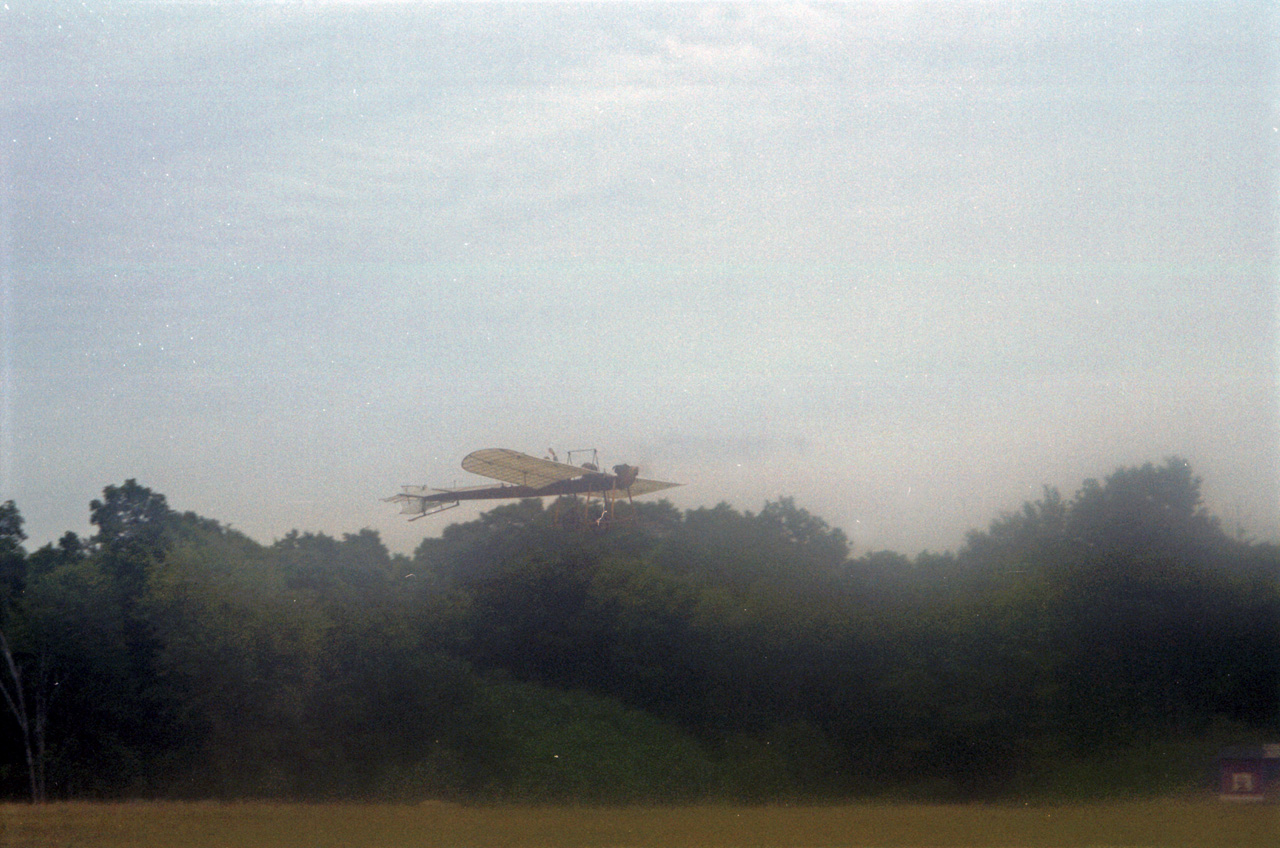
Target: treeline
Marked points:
1089	644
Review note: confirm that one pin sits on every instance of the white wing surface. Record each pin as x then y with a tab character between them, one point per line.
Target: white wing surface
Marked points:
519	469
646	487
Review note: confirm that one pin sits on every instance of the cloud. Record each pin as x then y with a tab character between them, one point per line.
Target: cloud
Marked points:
886	252
710	61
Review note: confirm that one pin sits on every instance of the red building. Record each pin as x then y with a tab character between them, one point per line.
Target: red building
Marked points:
1249	774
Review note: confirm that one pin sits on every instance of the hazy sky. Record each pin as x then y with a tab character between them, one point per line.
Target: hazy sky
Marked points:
904	262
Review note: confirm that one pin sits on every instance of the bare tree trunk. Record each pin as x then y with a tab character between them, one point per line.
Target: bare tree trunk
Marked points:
42	695
17	701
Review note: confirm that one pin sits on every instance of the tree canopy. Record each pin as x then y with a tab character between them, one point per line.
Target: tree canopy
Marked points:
705	653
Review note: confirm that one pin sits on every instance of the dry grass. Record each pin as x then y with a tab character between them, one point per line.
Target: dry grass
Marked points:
1165	823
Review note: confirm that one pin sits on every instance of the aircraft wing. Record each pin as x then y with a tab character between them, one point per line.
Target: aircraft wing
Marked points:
519	469
645	487
638	488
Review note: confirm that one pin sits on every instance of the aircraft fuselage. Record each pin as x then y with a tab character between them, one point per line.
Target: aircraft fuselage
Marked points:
595	482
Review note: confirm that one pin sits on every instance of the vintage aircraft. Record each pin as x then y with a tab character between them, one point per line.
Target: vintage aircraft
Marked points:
525	476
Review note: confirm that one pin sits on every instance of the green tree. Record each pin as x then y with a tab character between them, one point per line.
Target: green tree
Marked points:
69	550
540	619
73	641
237	651
129	516
131	538
13	559
1149	510
29	675
23	679
823	547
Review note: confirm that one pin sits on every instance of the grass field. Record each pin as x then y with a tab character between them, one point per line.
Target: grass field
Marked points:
1163	823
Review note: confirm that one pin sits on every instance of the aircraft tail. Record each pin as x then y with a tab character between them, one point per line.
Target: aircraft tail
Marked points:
418	501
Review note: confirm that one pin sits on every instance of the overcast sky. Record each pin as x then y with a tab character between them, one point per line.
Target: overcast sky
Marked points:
905	263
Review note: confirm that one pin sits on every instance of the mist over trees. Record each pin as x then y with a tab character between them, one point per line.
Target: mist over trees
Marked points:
1102	642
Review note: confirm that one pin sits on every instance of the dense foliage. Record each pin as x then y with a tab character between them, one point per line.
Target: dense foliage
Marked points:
710	653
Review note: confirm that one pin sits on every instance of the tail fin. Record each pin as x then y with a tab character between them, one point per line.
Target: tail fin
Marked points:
413	501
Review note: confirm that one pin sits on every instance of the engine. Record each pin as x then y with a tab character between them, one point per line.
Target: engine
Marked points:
626	475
